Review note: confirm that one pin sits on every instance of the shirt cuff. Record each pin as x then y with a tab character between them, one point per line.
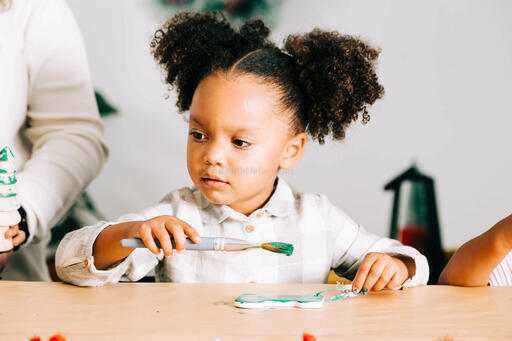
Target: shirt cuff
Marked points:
420	262
75	262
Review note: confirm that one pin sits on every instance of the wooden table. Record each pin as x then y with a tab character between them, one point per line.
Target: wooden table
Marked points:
167	311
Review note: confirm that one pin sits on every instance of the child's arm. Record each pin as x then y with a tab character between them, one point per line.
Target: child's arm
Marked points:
373	262
473	263
107	249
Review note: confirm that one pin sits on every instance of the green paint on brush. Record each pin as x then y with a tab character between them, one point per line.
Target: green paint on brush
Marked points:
284	248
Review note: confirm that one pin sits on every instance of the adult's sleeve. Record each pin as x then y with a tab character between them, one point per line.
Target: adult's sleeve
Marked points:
63	126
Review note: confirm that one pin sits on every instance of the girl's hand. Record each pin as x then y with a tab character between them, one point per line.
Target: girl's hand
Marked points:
162	228
378	271
16	234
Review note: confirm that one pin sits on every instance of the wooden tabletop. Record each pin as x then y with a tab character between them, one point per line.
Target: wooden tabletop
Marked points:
168	311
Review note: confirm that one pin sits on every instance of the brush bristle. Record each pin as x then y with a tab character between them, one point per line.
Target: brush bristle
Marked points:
284	248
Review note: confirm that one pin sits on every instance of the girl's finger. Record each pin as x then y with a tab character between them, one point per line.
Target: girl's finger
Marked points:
147	237
164	238
190	232
20	238
385	277
374	274
178	235
362	272
395	281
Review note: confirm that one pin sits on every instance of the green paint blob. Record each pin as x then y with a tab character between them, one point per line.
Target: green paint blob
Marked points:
337	297
221	302
284	248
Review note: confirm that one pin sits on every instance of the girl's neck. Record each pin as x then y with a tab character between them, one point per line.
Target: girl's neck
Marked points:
247	211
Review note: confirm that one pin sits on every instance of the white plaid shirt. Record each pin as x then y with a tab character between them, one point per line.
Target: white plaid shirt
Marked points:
324	238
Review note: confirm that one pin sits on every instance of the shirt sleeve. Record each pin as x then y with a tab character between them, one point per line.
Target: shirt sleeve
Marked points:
63	127
351	242
502	274
74	261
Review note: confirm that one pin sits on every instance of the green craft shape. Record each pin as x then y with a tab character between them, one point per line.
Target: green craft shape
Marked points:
8	179
261	300
6	154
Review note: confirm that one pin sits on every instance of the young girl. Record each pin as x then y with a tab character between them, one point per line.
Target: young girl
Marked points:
251	105
486	259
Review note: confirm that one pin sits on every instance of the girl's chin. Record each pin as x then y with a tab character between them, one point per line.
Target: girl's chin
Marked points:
214	198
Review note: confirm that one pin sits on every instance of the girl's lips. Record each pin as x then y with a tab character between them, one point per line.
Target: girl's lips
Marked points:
213	183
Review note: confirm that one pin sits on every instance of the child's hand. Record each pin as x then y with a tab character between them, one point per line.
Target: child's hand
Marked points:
16	234
378	271
162	228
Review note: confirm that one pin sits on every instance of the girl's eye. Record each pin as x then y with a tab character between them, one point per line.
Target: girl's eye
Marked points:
241	143
197	135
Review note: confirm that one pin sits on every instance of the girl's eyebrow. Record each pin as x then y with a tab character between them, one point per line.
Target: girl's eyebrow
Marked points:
192	118
237	129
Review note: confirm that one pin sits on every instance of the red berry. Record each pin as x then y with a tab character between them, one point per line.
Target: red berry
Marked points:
308	337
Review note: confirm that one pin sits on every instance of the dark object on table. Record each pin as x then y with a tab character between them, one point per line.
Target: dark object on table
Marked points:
414	219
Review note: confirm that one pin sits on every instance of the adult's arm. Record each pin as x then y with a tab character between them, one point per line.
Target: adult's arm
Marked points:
63	126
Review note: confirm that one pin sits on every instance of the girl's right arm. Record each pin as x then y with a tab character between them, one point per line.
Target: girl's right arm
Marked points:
107	248
473	263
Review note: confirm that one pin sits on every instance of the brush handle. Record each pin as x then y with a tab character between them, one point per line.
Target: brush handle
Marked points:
206	244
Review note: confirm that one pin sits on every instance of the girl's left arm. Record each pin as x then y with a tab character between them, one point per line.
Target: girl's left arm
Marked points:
353	246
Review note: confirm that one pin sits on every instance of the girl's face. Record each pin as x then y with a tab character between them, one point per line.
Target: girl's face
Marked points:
239	138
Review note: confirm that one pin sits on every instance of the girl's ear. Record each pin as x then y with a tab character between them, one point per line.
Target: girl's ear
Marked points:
293	151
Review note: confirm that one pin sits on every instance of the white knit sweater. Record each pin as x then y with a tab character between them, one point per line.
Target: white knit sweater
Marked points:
48	116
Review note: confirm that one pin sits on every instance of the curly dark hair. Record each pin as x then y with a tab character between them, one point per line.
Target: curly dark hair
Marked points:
325	78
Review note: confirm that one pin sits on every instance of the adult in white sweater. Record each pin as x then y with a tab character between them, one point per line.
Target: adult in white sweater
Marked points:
48	116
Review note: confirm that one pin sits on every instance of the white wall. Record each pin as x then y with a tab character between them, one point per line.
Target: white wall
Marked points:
446	68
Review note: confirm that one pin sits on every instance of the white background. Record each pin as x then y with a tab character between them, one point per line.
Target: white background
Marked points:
447	72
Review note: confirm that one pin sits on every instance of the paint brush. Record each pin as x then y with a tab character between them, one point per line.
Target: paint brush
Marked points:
219	244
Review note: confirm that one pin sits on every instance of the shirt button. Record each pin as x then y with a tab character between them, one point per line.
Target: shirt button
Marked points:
259	215
86	262
249	228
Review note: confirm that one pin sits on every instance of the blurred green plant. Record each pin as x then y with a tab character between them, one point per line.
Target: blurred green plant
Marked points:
237	11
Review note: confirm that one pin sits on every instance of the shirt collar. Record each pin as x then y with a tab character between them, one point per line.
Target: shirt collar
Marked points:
280	204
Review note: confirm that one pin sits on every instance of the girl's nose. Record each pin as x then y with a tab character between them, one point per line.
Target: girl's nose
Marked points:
215	154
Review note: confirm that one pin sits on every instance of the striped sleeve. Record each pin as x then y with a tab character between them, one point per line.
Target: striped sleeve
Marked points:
502	274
